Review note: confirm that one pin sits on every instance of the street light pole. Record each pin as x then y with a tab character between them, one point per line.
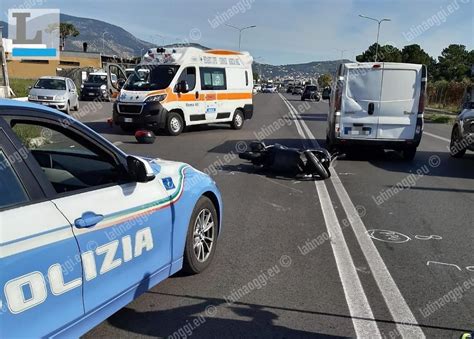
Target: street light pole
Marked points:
240	29
378	31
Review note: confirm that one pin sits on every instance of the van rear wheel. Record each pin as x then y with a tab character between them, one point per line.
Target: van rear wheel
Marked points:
409	153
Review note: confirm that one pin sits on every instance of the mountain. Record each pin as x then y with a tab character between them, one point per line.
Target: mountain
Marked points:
117	41
305	70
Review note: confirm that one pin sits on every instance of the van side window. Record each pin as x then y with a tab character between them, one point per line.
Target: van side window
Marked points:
12	190
213	79
189	75
246	78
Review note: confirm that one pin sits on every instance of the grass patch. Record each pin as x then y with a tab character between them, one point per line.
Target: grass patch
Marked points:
439	118
20	86
448	108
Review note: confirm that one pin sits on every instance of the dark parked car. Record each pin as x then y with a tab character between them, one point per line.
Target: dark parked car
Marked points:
310	92
289	89
462	135
95	87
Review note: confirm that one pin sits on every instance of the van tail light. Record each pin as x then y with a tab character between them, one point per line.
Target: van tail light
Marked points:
337	124
338	97
424	79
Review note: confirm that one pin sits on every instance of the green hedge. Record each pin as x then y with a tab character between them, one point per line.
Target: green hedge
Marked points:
20	86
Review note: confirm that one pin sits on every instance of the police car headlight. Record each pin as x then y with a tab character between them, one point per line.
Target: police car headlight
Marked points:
156	98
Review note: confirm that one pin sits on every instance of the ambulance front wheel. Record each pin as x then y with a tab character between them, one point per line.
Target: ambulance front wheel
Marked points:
238	120
174	124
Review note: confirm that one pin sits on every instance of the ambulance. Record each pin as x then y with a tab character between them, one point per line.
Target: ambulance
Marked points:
173	88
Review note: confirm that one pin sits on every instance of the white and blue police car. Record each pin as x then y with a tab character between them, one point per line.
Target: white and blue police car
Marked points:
86	228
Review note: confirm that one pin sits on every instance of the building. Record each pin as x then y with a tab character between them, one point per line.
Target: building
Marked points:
68	62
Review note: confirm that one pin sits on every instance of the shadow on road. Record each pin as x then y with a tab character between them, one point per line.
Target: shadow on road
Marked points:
202	320
104	127
206	319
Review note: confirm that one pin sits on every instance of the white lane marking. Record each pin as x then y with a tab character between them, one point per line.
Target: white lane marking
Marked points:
355	295
437	136
394	299
396	304
356	298
117	143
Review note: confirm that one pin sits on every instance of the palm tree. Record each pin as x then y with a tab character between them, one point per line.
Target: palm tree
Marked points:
66	30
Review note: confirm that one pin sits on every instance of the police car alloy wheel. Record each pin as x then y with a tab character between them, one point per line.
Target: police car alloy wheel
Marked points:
201	238
238	120
174	124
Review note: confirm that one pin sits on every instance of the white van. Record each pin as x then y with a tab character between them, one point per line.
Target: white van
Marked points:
177	87
378	104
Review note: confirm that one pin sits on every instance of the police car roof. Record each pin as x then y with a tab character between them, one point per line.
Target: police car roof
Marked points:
26	104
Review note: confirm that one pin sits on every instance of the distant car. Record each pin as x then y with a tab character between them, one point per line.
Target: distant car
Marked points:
462	135
289	89
95	86
56	92
310	92
297	90
269	89
257	88
326	93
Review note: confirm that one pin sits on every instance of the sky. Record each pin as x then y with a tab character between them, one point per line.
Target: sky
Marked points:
291	31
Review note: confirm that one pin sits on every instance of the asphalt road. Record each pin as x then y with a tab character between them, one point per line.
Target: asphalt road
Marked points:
377	250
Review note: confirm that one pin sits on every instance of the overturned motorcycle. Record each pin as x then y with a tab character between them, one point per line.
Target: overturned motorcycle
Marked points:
290	161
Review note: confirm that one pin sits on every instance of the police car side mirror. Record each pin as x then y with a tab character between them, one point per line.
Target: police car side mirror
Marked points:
139	169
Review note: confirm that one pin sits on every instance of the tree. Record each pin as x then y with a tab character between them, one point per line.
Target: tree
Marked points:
66	30
386	53
455	63
414	54
325	80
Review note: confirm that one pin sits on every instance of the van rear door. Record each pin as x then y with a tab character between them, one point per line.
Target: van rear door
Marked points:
400	96
361	102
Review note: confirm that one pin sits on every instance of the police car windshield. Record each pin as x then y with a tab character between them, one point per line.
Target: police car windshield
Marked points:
151	78
56	84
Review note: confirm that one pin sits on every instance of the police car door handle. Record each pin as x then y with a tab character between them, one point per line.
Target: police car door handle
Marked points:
88	219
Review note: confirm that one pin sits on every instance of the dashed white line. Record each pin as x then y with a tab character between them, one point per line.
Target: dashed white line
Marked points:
436	136
396	304
356	298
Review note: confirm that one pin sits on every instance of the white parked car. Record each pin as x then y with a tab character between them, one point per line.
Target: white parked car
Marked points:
378	104
56	92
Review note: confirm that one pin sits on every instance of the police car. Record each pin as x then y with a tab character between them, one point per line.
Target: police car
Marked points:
86	228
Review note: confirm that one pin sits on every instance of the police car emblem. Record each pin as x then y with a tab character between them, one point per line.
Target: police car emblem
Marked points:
168	183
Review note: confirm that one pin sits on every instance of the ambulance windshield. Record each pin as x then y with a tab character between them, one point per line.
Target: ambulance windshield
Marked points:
150	78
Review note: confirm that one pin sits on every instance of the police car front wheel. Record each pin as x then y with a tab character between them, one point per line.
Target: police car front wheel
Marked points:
201	238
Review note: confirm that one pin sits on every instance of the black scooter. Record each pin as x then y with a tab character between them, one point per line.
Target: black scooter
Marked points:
290	161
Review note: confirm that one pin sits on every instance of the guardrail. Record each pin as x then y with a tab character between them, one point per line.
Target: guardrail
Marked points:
438	111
